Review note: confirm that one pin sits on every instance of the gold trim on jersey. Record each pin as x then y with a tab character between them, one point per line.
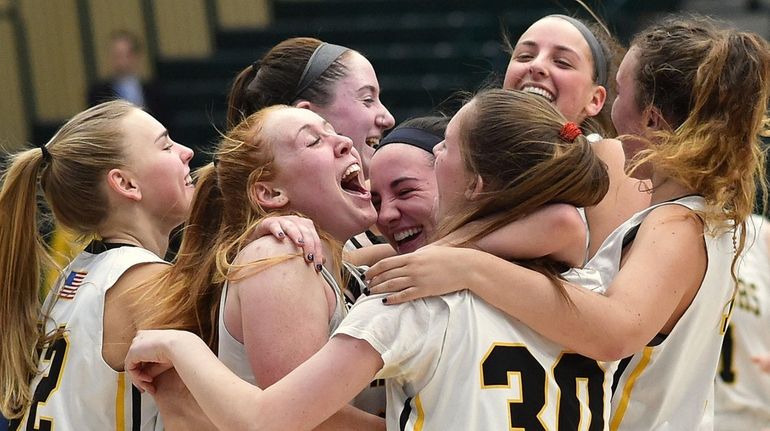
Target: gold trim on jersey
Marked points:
418	423
629	386
120	406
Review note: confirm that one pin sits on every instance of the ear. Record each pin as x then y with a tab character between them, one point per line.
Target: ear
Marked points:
596	103
122	183
653	119
475	187
303	104
267	196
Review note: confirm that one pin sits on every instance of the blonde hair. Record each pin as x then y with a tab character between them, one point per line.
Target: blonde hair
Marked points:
711	86
223	215
512	141
71	179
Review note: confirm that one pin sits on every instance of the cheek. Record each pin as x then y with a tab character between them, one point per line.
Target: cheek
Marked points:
513	75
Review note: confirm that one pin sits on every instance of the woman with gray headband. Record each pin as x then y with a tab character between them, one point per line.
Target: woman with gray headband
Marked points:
573	65
335	82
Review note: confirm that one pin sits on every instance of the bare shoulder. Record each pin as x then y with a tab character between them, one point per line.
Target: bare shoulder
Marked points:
610	151
675	223
266	247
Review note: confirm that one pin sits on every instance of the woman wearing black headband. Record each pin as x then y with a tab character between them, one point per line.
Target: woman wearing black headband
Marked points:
403	184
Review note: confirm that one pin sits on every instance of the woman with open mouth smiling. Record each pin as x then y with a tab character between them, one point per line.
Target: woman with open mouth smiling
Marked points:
256	302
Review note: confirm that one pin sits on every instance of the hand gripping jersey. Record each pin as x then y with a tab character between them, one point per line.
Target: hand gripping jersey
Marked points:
455	362
76	389
742	390
669	384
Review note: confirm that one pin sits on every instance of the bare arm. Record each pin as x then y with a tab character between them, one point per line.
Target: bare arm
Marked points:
638	304
120	300
370	255
556	231
304	398
283	317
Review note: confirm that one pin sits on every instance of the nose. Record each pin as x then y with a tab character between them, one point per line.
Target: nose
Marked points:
342	145
536	67
185	153
384	119
387	214
437	149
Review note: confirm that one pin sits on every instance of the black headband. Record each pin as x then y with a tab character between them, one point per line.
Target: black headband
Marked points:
322	58
415	137
600	61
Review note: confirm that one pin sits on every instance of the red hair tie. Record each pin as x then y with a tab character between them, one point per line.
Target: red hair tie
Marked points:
569	131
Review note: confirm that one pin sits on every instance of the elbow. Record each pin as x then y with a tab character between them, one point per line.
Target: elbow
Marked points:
571	249
614	347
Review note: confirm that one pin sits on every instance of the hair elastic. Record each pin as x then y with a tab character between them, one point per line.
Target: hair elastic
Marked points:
600	61
319	61
46	154
413	136
570	131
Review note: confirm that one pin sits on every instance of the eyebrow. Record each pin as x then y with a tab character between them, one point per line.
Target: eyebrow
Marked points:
324	124
532	44
164	134
368	88
397	181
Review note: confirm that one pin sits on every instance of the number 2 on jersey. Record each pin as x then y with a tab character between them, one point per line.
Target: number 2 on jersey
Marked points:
56	356
503	360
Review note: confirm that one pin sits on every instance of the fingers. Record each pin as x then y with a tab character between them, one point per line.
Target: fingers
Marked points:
385	265
406	295
299	230
391	281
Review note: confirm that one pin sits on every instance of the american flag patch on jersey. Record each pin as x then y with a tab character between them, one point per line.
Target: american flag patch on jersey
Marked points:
71	284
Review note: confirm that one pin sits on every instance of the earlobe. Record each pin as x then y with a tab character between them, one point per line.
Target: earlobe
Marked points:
475	188
654	119
121	183
596	103
266	196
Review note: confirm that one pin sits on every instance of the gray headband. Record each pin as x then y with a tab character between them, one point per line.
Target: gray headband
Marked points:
322	58
600	61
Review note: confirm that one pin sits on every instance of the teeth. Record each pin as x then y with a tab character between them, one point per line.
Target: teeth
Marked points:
407	233
372	142
188	180
352	169
539	92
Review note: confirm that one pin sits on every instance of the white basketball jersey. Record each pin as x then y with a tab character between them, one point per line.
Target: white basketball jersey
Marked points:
742	390
76	389
669	386
232	352
456	363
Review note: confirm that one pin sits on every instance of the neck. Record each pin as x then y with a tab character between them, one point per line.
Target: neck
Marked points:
666	189
156	242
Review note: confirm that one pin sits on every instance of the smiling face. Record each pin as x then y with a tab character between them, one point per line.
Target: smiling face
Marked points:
404	194
159	165
319	172
356	110
452	177
553	59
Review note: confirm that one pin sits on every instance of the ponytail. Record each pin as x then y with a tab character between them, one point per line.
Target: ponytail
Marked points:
22	257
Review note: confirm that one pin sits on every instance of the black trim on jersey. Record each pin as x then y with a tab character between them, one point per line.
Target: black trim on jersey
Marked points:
630	236
374	238
97	246
355	243
136	409
622	365
404	418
